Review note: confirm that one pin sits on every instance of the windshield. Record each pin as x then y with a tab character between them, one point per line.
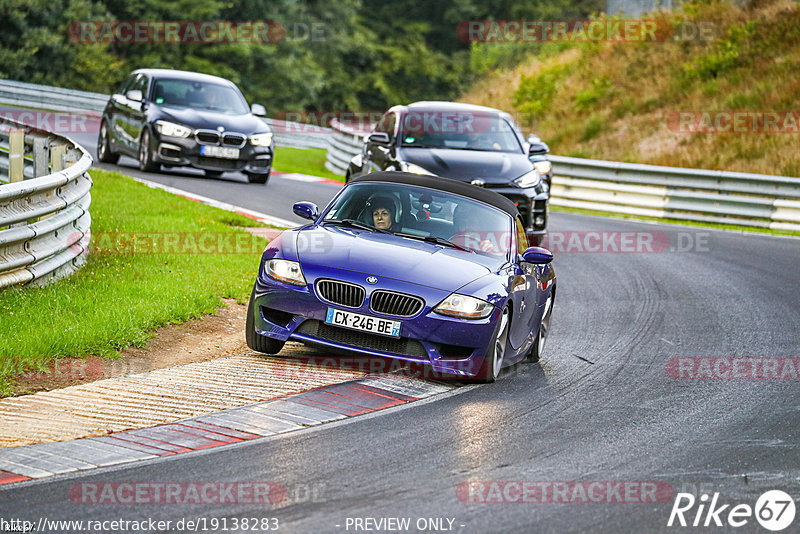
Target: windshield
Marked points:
426	214
199	95
458	130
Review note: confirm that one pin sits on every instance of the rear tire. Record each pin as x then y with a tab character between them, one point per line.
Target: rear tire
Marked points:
256	341
104	152
257	178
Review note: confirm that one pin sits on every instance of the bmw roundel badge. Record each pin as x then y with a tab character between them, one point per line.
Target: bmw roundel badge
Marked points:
371	280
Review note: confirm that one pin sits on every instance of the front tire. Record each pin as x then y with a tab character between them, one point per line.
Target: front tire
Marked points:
542	332
146	162
104	152
256	341
493	362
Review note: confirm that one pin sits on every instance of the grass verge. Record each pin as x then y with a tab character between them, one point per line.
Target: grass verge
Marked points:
156	259
304	161
698	224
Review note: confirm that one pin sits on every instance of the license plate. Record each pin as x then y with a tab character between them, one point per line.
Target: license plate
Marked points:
365	323
219	151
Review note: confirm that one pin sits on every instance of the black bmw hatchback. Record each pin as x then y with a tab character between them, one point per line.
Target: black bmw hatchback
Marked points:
177	118
475	144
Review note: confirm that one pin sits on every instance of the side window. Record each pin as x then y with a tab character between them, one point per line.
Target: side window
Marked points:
386	124
522	237
125	85
141	85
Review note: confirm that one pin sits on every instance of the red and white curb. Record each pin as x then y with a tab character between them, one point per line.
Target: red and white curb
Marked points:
294	412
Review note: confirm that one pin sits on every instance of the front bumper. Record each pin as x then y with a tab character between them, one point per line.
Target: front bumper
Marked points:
533	205
185	152
448	345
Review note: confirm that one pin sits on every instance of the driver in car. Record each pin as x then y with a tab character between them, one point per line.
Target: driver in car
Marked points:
382	210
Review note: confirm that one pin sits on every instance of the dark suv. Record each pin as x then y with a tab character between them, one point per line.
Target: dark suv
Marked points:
176	118
475	144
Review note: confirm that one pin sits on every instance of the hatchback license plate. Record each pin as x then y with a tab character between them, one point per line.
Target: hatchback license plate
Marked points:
365	323
219	152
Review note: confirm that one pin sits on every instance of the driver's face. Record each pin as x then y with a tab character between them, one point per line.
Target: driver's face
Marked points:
382	218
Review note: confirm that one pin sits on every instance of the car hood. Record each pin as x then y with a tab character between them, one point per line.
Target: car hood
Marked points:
466	165
203	119
390	256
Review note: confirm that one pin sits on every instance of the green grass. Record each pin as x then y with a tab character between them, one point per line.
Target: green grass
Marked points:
117	300
699	224
304	161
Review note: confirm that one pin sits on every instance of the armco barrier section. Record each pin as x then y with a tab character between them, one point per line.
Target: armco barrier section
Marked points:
345	143
44	209
757	200
288	134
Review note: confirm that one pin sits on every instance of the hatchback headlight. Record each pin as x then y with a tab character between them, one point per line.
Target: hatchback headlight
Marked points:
262	139
464	307
544	167
171	129
529	179
288	272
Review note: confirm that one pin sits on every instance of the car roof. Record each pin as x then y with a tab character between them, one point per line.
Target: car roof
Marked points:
435	105
183	75
442	184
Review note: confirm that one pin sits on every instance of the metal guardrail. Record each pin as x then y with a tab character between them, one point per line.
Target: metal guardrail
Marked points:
757	200
345	143
48	97
287	134
44	209
668	192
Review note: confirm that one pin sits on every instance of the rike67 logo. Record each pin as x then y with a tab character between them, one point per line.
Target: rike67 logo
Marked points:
774	510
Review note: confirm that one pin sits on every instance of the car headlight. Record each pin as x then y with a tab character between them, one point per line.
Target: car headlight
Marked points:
262	139
464	307
414	168
529	179
544	167
172	130
286	271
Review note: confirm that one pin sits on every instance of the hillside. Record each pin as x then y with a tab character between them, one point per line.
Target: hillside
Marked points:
672	101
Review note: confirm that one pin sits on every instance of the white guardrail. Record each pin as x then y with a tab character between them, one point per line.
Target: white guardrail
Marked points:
755	200
44	206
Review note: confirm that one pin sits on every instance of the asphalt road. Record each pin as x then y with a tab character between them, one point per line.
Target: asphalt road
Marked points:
601	406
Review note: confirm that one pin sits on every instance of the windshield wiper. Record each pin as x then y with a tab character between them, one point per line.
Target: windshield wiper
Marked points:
436	240
352	223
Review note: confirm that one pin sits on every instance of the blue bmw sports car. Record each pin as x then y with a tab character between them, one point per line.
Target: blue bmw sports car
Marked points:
412	267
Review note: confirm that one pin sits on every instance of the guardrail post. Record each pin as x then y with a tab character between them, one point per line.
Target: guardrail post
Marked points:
16	153
57	153
40	157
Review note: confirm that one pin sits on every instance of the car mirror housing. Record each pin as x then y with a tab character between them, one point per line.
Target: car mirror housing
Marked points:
258	110
306	210
537	255
379	138
135	95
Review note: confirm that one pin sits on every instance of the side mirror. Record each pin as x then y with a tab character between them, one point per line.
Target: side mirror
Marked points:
379	138
135	95
537	255
258	110
306	210
536	146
